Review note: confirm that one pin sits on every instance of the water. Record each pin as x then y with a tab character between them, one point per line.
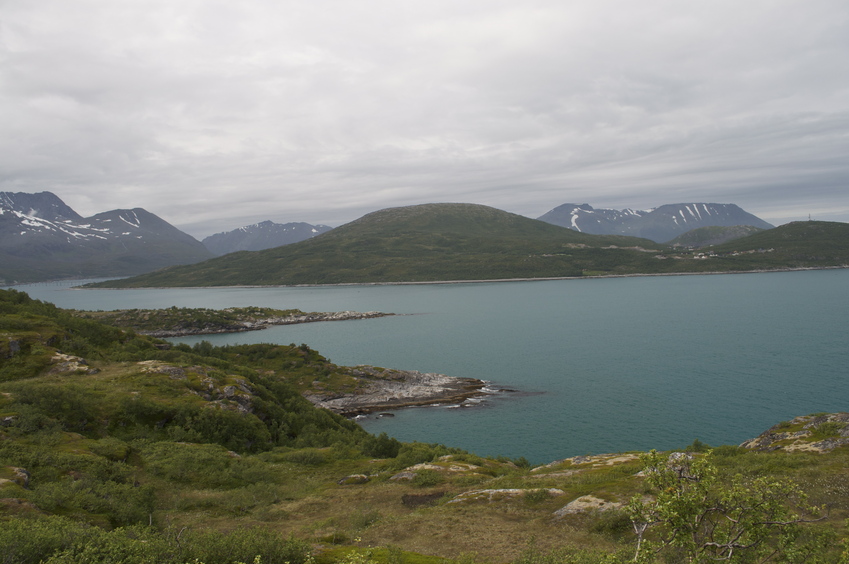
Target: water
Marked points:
603	365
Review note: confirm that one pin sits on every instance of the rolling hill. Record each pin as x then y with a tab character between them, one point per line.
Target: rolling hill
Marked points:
424	243
461	242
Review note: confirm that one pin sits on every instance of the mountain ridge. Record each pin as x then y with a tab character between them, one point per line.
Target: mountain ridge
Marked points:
41	238
260	236
661	224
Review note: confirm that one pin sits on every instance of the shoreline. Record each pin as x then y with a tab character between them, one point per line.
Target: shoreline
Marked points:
261	324
477	281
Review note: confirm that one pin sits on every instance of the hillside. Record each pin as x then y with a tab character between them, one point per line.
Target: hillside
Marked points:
430	242
713	235
41	238
120	448
454	242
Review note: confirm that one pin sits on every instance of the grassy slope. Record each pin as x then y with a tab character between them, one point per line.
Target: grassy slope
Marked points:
713	235
122	441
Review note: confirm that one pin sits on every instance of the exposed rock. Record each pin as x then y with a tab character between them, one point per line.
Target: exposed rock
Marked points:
798	434
593	461
585	504
14	347
353	479
157	367
382	389
499	495
403	477
14	475
65	363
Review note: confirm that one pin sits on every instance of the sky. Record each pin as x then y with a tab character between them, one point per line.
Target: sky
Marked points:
218	114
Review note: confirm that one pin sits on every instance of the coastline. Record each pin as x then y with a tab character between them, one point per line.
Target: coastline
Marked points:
258	325
485	280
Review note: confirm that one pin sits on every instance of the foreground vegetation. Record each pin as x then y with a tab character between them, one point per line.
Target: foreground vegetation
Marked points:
444	242
116	447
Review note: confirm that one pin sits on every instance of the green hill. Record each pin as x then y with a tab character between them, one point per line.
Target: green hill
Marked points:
431	242
454	242
120	448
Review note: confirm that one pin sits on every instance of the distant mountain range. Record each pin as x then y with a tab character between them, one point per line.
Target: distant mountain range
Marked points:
453	242
660	224
260	236
41	238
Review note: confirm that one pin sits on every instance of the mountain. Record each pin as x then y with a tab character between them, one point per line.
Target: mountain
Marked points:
41	238
659	224
260	236
424	243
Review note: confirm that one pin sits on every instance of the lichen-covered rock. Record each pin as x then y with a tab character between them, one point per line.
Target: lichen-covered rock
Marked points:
14	475
499	494
65	363
801	434
586	504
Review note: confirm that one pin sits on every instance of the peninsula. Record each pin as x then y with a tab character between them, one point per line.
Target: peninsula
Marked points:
182	322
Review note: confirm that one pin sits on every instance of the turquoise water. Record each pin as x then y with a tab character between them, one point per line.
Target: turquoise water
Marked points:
602	365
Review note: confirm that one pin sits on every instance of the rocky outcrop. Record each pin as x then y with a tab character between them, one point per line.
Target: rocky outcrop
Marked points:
232	393
813	433
587	504
493	495
13	475
65	363
381	389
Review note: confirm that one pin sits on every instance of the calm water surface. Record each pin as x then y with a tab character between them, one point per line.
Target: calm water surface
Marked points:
602	365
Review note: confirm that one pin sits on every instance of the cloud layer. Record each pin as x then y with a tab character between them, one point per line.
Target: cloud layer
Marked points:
217	114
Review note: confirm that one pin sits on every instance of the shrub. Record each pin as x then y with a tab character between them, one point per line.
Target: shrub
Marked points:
381	446
243	545
427	478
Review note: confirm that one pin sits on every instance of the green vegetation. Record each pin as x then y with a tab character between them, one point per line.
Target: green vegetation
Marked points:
184	319
439	242
713	235
119	448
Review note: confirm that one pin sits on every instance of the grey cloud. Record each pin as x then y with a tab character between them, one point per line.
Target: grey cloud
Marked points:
209	114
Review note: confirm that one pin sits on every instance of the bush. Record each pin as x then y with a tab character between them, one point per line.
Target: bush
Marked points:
381	446
427	478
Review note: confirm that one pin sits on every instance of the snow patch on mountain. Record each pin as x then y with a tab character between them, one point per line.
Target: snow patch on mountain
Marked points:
659	224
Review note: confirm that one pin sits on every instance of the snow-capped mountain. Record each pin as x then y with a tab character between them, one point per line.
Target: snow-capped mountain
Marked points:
260	236
659	224
41	238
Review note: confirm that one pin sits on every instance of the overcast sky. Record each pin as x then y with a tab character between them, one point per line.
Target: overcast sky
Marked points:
218	114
